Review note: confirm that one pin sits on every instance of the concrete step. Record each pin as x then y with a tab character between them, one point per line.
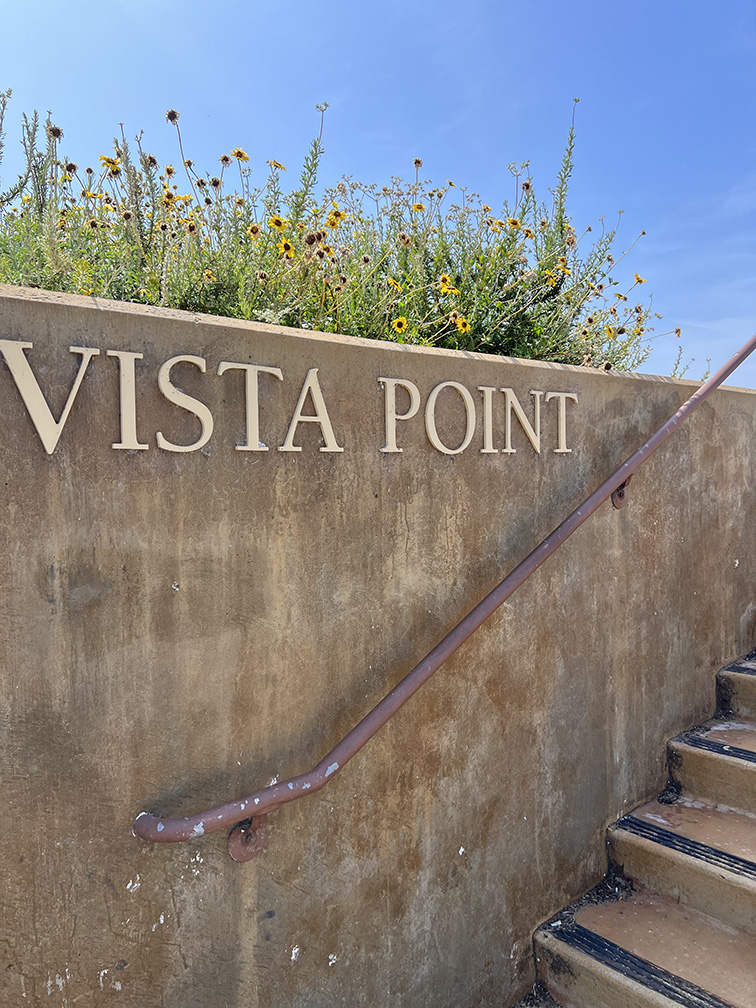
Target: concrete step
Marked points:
700	855
736	689
645	951
716	762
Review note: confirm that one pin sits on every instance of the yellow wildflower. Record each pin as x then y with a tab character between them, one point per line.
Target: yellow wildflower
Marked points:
639	279
277	223
513	223
239	154
399	325
463	325
418	207
208	275
254	231
276	164
393	283
445	280
286	249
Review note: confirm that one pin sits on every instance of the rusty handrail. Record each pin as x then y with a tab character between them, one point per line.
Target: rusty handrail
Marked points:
247	815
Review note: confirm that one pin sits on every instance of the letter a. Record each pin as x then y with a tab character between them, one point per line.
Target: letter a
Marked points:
311	387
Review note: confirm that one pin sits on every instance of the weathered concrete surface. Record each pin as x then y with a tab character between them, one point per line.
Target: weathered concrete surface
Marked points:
179	628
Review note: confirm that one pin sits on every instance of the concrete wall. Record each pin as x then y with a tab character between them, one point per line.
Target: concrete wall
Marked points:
178	628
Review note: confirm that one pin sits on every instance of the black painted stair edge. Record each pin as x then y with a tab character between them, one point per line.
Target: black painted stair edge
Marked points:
737	666
692	848
720	748
632	966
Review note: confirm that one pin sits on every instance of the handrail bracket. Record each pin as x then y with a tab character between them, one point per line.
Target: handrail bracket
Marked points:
247	839
619	497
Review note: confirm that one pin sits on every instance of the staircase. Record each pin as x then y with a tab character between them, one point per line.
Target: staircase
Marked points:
674	921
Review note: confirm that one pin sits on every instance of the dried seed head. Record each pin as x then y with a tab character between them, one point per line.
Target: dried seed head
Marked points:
208	201
215	182
200	183
55	132
587	360
71	168
310	239
172	116
418	162
225	160
526	187
262	276
404	238
89	171
365	260
606	366
152	161
126	215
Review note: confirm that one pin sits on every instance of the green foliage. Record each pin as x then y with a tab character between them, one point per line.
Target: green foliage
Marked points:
409	261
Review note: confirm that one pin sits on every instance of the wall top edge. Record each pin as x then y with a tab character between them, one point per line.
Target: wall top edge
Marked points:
37	295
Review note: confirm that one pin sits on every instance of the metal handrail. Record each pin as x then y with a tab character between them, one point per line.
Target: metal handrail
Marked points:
248	814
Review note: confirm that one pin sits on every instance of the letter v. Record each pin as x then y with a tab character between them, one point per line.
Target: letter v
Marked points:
41	415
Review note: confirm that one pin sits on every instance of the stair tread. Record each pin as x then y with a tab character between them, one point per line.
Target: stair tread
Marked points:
680	940
724	829
741	734
735	737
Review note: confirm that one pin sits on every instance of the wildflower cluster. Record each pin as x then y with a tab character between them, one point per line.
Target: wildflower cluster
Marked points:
409	261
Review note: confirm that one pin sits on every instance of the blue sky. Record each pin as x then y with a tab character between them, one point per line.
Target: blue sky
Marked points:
665	124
